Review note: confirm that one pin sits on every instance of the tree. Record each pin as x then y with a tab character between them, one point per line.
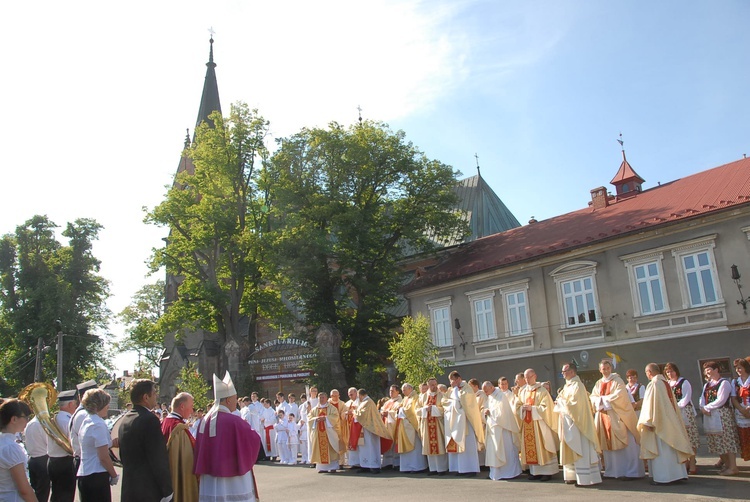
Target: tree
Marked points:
141	320
415	356
41	282
218	220
350	205
192	382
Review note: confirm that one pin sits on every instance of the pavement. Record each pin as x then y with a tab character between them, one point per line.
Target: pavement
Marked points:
283	483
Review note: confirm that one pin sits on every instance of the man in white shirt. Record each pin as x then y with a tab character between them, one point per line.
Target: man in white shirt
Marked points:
36	447
60	466
283	405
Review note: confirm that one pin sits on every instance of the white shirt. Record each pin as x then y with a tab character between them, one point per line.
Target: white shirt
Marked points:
92	434
35	439
11	455
75	426
54	449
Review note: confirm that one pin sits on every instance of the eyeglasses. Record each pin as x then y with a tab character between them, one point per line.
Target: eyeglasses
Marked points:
26	417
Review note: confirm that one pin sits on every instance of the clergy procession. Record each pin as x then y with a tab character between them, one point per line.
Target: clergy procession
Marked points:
618	430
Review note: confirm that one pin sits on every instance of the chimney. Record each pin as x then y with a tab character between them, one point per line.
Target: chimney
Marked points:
599	199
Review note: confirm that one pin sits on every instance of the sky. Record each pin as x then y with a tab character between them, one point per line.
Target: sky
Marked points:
97	97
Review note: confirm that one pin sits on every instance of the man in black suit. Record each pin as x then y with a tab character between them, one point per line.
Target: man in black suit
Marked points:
145	465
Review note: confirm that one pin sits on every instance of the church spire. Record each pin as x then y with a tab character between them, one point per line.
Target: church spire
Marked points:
210	98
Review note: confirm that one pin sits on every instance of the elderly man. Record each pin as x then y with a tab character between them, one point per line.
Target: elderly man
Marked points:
343	428
61	469
664	440
388	412
616	425
502	434
408	444
535	411
324	426
579	443
352	454
180	446
145	466
464	431
432	428
374	434
226	449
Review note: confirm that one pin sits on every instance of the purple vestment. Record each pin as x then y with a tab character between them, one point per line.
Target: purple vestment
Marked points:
232	452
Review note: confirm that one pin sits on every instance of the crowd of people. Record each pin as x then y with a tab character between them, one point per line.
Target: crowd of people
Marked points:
618	429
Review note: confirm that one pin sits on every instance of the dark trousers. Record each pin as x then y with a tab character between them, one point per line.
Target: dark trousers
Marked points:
62	474
95	488
39	478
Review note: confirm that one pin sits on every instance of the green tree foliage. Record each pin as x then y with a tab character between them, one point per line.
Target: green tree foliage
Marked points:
218	221
415	356
190	380
141	319
42	281
350	204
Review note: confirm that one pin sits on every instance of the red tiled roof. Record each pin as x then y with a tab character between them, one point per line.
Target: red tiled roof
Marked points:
699	194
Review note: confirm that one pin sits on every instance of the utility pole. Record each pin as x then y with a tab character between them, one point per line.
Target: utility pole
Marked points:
39	357
60	335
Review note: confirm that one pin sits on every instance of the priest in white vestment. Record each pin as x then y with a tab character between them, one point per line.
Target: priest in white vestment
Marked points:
369	435
538	425
579	443
408	443
352	455
324	438
664	440
432	428
464	431
502	435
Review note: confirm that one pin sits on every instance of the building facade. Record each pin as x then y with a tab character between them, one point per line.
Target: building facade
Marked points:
640	276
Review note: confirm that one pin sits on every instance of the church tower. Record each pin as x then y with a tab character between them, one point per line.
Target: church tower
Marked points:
197	346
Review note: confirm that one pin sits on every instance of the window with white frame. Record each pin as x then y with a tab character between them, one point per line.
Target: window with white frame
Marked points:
515	301
647	283
483	314
577	293
696	268
440	319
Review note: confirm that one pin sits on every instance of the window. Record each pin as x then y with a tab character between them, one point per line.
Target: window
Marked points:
518	313
515	299
484	319
440	317
647	283
483	314
700	281
577	293
696	266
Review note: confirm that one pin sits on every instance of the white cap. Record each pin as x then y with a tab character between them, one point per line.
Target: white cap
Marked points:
223	388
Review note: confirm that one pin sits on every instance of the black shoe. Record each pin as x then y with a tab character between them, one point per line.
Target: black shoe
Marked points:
442	473
375	471
432	473
468	474
570	482
533	477
362	470
545	478
312	466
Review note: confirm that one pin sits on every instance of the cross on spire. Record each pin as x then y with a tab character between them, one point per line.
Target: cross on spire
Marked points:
477	157
359	109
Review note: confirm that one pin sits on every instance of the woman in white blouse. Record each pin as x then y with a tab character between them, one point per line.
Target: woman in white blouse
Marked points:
14	485
718	419
683	393
96	472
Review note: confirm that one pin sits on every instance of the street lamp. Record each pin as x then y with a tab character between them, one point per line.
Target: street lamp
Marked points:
736	278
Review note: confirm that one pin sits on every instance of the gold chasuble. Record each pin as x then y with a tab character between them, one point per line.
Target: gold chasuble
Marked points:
388	412
573	400
344	426
368	417
539	441
180	451
324	440
431	426
406	424
470	407
612	425
660	417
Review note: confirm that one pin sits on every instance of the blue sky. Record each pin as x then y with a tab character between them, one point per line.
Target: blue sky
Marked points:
97	96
